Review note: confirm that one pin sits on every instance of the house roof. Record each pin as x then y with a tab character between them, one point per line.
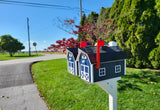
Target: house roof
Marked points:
74	51
106	53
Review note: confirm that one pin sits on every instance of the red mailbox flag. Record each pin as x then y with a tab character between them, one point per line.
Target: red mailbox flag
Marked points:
83	44
100	43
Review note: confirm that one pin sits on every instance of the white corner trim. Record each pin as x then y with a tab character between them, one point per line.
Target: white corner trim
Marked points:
125	67
76	67
92	74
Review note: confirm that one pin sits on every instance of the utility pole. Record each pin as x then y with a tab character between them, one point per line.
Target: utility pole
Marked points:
28	36
80	5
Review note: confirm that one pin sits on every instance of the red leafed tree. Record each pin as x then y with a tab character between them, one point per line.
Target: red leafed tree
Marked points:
92	31
63	44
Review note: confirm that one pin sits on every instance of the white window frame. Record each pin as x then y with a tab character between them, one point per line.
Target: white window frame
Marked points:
70	55
119	70
70	68
83	61
104	69
84	72
84	57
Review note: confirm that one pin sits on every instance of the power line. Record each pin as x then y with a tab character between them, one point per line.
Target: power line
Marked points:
35	4
40	5
25	5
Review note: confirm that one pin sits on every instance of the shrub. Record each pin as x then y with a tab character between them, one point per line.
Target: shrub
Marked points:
154	57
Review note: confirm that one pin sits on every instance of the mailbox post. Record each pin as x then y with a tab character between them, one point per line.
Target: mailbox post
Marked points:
103	66
110	86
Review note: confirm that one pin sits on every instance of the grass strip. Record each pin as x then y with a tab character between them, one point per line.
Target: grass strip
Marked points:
138	90
6	56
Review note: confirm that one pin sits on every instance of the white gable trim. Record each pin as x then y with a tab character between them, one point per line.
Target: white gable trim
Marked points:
71	53
91	65
79	53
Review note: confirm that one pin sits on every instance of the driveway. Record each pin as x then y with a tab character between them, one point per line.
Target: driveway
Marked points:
17	90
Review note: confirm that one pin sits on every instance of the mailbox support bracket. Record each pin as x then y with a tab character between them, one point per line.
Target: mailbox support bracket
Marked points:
110	86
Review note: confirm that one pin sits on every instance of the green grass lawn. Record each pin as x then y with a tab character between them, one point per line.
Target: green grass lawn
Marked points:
138	90
6	56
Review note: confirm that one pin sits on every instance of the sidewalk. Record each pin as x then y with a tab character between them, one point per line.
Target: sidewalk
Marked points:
21	98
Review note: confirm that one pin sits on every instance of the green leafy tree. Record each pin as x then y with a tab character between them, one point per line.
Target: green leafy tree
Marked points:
10	44
82	23
139	25
92	18
154	55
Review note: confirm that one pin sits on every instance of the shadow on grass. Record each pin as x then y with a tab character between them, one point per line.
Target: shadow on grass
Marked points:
143	77
125	84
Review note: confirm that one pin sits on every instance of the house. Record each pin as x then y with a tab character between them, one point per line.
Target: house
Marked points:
71	60
112	63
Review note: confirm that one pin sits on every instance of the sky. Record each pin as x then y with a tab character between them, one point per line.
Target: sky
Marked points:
43	22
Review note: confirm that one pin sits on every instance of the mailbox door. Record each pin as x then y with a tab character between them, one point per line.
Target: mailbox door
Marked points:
85	72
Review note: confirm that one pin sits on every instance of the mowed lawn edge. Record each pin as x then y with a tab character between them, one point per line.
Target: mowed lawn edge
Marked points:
138	90
6	56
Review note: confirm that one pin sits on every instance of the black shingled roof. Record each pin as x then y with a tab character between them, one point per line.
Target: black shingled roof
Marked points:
106	53
74	51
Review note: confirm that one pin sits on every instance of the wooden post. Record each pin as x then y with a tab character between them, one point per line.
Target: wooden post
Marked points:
110	86
28	37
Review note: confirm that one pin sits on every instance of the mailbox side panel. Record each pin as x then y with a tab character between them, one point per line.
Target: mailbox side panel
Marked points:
71	64
84	68
112	70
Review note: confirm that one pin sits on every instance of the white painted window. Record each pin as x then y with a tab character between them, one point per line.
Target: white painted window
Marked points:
117	68
85	72
71	67
83	61
70	55
84	57
102	72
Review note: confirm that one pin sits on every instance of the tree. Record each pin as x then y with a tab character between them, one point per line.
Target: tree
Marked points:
92	18
82	23
63	44
138	22
94	32
10	44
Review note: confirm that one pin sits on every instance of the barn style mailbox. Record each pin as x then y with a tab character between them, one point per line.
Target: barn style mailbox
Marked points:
101	64
112	63
83	62
71	60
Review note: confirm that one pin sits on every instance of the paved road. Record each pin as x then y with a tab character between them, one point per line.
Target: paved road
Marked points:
17	90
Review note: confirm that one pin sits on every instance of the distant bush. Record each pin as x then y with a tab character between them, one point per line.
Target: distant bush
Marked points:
154	57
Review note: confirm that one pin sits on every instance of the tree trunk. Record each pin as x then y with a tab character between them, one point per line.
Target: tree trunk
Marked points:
10	53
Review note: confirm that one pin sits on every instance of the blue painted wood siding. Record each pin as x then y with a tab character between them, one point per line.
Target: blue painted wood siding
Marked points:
72	60
84	65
